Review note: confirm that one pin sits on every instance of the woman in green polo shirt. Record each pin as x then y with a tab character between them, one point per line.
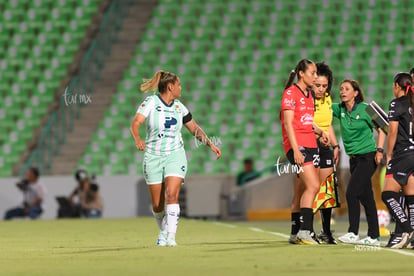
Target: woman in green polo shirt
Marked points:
358	138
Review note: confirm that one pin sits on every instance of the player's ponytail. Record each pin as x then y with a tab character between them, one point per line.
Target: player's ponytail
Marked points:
159	81
290	80
151	84
301	66
410	96
404	81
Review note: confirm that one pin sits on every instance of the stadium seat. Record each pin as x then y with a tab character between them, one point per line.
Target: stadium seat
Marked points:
233	58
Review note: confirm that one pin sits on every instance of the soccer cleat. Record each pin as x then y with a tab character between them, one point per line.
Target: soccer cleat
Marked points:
349	238
369	241
410	240
171	242
162	238
293	239
326	238
395	238
307	237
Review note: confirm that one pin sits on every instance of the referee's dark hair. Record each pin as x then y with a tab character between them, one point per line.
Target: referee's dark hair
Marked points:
355	85
324	70
412	71
301	66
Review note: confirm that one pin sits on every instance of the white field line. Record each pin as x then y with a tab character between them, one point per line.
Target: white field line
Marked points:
259	230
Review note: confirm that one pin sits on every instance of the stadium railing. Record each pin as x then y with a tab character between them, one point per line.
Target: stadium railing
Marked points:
61	121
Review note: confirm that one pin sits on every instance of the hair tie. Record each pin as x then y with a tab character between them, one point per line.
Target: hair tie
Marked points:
407	88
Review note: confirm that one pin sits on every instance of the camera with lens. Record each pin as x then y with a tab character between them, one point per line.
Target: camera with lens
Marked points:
23	184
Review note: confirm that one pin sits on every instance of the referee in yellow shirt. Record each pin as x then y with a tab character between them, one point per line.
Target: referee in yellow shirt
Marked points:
328	155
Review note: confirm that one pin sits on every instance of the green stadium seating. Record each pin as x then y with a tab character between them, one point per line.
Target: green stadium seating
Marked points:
37	41
233	58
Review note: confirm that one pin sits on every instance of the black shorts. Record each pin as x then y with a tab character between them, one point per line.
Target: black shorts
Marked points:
326	157
401	167
311	156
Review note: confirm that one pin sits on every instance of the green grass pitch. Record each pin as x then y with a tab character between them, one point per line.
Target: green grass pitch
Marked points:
127	247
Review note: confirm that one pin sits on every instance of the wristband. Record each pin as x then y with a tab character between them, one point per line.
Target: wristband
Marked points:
381	150
336	146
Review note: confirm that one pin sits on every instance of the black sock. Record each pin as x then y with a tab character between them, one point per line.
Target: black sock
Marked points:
326	220
396	210
306	219
398	226
295	223
410	205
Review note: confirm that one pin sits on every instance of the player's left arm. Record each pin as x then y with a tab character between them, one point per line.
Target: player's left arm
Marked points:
199	134
334	144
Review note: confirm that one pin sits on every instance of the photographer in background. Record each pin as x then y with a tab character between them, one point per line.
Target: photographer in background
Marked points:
90	199
86	200
33	196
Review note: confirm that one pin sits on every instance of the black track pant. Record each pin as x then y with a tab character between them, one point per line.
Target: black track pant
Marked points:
360	191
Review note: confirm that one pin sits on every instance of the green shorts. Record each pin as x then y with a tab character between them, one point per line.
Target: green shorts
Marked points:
157	167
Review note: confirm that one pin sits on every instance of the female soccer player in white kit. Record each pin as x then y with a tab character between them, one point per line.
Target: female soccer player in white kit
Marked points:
165	162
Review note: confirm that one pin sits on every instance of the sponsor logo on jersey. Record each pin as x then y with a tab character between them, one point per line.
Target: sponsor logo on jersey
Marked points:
302	100
306	119
158	108
170	121
289	102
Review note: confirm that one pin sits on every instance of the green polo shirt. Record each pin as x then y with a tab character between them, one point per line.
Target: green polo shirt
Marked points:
356	128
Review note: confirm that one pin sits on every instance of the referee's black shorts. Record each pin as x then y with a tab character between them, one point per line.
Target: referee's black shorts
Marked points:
326	156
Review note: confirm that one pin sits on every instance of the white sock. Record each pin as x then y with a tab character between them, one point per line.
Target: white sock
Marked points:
160	218
173	213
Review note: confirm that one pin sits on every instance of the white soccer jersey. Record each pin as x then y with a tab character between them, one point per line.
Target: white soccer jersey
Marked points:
163	124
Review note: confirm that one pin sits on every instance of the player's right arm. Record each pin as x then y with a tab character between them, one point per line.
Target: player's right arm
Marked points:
393	116
138	120
144	110
288	116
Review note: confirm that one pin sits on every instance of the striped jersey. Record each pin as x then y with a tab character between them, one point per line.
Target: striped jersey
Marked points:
163	124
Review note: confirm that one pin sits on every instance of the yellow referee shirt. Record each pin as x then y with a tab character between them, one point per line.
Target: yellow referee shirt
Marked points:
323	113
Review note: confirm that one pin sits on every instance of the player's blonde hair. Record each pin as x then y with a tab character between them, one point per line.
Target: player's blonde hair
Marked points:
159	82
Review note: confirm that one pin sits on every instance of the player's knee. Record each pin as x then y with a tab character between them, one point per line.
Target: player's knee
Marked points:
158	207
171	197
